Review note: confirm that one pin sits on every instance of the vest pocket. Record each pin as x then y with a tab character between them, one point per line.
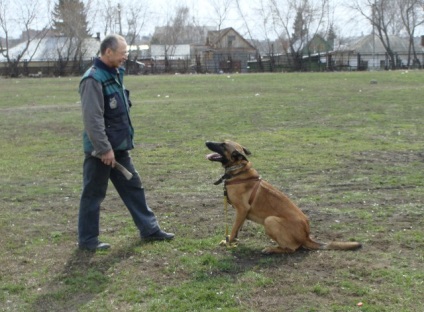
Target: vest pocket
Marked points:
119	138
117	123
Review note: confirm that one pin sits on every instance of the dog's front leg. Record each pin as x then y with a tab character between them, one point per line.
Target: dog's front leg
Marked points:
231	240
241	215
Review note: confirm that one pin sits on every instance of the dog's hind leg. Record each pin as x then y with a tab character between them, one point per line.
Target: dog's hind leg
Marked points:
282	234
276	250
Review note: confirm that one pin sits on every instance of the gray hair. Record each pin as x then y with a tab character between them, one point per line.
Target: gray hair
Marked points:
110	42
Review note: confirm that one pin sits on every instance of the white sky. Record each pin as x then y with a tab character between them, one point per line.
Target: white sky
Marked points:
204	14
201	10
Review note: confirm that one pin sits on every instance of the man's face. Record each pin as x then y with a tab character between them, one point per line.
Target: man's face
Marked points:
116	58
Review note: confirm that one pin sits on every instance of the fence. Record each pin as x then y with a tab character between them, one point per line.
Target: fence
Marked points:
202	63
43	68
337	61
223	63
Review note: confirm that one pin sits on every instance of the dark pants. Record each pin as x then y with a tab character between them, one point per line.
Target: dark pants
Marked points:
96	176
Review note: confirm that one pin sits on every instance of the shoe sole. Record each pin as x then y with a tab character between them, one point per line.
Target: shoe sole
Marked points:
94	249
147	239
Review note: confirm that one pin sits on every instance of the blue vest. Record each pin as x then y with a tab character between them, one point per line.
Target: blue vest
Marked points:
117	105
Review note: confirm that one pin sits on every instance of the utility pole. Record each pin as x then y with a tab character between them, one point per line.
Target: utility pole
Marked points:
119	19
373	34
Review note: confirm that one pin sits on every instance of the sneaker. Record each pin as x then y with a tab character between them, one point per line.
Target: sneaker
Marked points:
159	235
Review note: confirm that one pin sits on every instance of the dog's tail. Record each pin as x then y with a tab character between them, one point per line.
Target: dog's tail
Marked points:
314	245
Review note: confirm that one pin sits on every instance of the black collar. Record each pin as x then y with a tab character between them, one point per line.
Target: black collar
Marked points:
227	175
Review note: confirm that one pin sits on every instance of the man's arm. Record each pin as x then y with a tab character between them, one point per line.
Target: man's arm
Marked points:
92	114
94	124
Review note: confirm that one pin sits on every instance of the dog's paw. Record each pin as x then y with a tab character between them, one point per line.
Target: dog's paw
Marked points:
226	242
266	251
232	245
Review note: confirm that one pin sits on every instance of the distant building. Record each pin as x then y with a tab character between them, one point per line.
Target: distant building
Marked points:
53	48
220	51
359	53
369	52
227	51
50	56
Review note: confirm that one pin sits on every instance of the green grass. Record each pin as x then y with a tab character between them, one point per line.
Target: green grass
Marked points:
348	152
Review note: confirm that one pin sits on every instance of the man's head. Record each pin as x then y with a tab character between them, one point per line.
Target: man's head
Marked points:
113	51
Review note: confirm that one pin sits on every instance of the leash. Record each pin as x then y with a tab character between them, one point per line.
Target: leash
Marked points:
254	189
226	242
227	238
227	175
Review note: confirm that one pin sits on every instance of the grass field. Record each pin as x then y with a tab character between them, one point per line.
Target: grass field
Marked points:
347	151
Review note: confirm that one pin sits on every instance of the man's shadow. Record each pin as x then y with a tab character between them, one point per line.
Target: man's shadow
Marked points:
82	278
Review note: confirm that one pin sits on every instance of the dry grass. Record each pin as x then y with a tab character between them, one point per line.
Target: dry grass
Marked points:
347	151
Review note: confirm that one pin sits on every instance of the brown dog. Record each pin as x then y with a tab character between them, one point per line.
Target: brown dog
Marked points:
257	200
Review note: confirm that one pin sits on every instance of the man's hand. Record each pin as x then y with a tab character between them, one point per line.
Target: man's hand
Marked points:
108	158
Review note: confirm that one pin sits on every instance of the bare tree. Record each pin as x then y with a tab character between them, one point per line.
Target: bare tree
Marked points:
107	16
22	21
265	16
175	32
221	11
136	18
110	17
296	22
411	13
71	26
243	16
380	14
263	25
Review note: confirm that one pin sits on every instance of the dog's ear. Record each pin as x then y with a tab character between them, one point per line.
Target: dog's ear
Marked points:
240	155
246	151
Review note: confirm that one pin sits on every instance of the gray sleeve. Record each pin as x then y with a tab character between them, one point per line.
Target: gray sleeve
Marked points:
92	114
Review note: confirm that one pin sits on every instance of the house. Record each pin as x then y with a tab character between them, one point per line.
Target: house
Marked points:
317	45
219	51
53	48
226	51
53	55
177	51
273	56
369	52
361	53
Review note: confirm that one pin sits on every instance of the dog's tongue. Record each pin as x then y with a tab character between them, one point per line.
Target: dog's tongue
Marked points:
213	156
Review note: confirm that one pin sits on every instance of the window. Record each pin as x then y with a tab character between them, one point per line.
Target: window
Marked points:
231	39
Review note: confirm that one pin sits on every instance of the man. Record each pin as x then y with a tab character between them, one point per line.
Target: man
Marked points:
108	136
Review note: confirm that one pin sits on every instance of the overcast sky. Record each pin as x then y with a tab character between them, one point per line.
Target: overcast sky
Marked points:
202	11
162	11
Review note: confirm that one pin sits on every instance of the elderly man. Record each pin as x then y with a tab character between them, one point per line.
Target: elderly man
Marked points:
108	137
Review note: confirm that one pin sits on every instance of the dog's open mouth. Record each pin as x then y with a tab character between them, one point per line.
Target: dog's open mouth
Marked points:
214	157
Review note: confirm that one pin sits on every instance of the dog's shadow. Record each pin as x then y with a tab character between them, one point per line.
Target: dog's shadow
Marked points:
81	279
244	258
